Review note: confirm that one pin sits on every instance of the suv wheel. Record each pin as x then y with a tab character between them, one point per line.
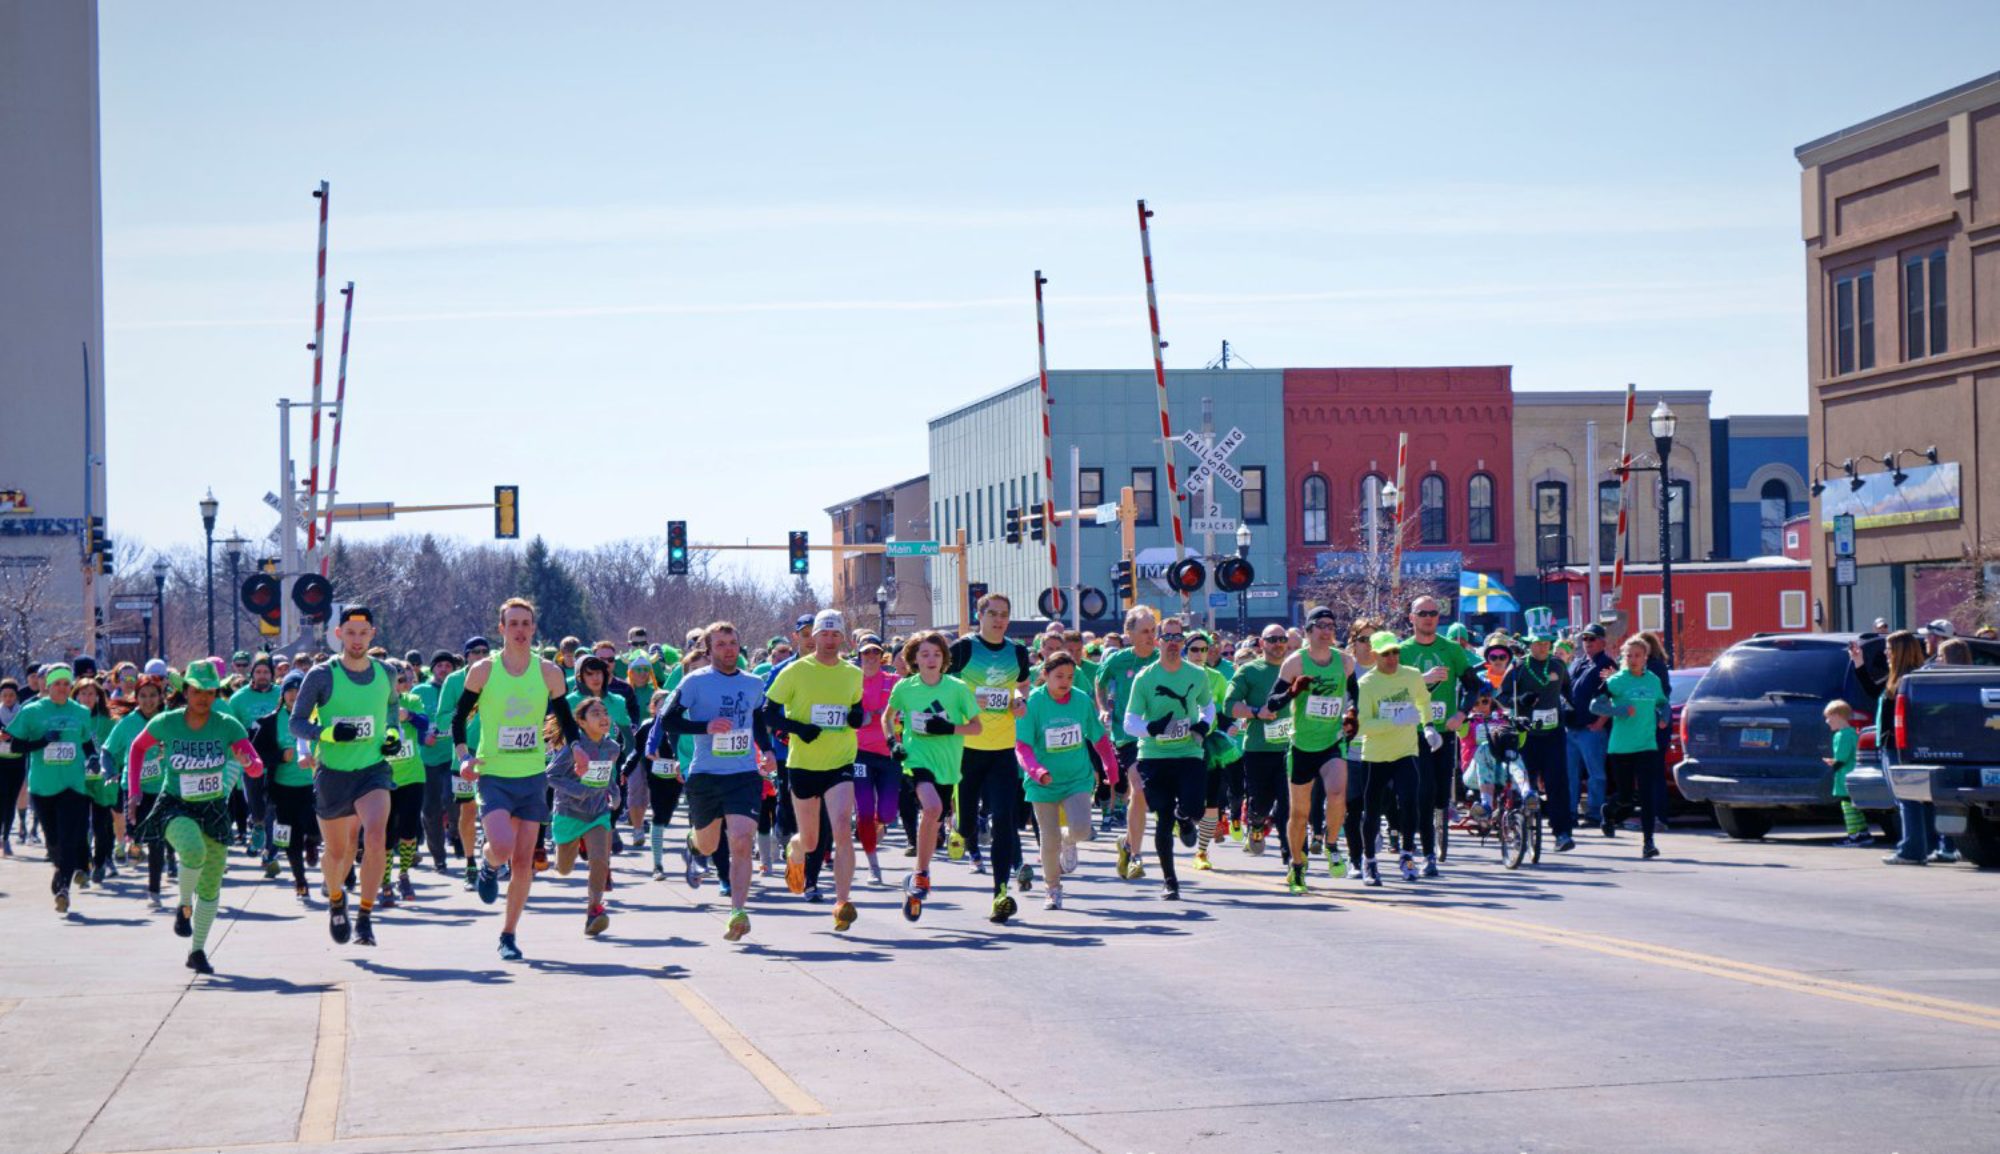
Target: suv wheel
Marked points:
1741	823
1980	843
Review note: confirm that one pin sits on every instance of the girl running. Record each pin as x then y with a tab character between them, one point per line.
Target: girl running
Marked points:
1053	744
877	777
929	714
149	699
583	801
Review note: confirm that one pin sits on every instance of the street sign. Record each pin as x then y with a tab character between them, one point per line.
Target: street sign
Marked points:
1218	600
1217	525
132	604
1843	536
1214	460
1264	593
1107	514
902	620
124	639
1843	571
910	549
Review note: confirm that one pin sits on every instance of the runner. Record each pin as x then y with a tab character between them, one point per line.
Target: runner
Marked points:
1221	755
103	787
1267	739
148	700
1392	704
722	708
1446	668
257	700
463	793
1114	685
1315	686
196	746
55	732
1171	712
439	809
582	773
997	670
817	700
878	780
13	767
929	715
510	765
293	829
1058	729
406	775
344	708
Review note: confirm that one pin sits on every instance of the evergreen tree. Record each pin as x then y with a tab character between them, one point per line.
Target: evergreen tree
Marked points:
560	606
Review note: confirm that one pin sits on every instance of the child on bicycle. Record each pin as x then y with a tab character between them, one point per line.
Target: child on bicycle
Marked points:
1486	731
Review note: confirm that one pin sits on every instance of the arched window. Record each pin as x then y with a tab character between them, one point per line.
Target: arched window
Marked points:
1774	506
1430	510
1312	508
1479	509
1369	512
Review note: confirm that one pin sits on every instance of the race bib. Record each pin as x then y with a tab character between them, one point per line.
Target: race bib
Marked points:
1396	712
151	770
1057	738
59	753
1177	730
205	786
1325	707
598	773
281	835
735	743
667	766
519	738
364	726
1437	711
830	716
1543	718
461	788
993	700
1279	731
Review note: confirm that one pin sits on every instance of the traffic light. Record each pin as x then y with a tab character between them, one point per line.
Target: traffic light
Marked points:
262	596
1013	527
1234	575
1121	582
105	549
801	559
506	512
313	594
1038	525
98	547
677	548
975	592
1186	576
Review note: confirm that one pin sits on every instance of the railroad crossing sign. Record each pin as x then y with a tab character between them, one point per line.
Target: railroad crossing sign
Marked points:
1214	461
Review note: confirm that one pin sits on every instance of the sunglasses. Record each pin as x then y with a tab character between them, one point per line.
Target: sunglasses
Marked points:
1425	613
1173	636
1278	639
1197	649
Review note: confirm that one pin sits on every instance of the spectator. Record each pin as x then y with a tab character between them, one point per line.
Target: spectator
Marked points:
1589	734
1919	818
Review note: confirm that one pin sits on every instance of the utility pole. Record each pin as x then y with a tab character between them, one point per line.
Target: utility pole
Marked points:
1208	491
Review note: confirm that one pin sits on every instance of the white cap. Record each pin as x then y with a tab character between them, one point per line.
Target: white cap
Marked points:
1939	628
156	668
829	619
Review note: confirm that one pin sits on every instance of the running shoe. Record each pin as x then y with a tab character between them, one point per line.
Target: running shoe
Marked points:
1188	834
795	866
1409	868
1315	846
111	868
1222	828
694	863
1370	875
487	883
386	897
956	847
509	952
1295	879
80	879
1052	897
154	903
1024	878
1565	844
1068	857
978	863
739	924
1138	869
471	875
875	873
1255	847
364	928
722	884
271	867
298	891
406	889
843	916
1171	892
1004	907
198	962
1649	850
1946	854
1336	865
1201	861
595	921
183	924
659	874
62	900
1430	866
1124	860
97	873
336	920
541	859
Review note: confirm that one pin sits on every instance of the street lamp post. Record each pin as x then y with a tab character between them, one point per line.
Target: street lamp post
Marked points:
1243	595
882	608
208	507
1385	524
233	547
160	600
1663	423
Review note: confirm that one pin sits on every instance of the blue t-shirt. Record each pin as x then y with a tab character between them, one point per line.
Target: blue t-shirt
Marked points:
707	694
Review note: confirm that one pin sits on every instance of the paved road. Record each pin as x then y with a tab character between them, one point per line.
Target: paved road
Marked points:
1790	995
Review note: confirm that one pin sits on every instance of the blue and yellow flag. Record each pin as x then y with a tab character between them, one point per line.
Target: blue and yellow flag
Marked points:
1478	593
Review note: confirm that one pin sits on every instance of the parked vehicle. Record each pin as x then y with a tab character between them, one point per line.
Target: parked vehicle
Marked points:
1948	753
1753	730
1684	681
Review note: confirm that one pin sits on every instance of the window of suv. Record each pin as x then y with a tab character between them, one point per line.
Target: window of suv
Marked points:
1780	668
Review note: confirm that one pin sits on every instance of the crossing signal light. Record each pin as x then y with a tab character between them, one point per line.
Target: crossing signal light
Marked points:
262	596
677	548
1234	575
506	512
975	592
98	547
1121	582
1186	576
1013	527
801	559
1038	524
313	594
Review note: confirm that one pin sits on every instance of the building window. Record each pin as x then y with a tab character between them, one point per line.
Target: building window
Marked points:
1479	509
1312	510
1792	609
1854	322
1649	612
1253	494
1680	497
1924	330
1551	524
1774	508
1142	495
1719	613
1607	522
1430	510
1091	484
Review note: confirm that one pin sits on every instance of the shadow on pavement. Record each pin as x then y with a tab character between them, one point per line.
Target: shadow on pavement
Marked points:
784	955
595	969
474	977
241	984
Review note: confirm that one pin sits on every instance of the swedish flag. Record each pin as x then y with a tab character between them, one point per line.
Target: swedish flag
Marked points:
1478	593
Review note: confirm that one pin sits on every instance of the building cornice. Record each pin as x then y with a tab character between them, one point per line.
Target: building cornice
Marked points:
1930	112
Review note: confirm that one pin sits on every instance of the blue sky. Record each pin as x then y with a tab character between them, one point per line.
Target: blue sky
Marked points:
720	263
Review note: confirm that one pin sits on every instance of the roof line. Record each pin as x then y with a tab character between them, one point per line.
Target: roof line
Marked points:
1866	128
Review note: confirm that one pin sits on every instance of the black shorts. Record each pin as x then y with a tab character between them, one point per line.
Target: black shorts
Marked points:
811	784
1218	794
714	796
336	790
1128	756
1306	764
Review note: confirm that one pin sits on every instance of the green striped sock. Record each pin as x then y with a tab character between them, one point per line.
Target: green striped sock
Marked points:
204	917
659	838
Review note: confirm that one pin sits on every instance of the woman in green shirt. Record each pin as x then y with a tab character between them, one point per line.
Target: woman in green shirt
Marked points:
100	783
150	697
1053	743
1636	703
930	714
55	732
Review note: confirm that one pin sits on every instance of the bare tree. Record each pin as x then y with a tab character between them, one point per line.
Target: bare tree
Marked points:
1364	589
35	625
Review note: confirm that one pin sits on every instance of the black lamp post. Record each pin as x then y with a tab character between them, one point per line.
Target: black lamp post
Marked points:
208	507
160	600
1663	423
233	547
882	610
1243	595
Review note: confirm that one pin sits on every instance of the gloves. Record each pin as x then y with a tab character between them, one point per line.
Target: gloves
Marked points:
856	715
346	731
1432	739
392	744
1199	726
1158	725
805	731
1350	725
898	753
937	726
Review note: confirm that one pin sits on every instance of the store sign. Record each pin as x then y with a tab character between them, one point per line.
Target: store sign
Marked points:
1439	565
1928	493
41	526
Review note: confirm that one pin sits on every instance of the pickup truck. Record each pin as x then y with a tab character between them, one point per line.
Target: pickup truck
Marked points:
1947	753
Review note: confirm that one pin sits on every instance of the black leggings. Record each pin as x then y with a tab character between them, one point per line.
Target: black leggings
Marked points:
103	835
66	828
13	771
663	796
1381	779
292	805
991	779
1175	789
1632	777
1437	772
1265	784
440	810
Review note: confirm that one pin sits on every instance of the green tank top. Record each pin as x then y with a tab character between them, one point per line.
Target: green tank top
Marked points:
367	706
407	768
511	709
1321	702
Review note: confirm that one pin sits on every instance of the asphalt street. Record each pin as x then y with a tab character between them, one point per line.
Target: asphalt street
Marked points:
1784	995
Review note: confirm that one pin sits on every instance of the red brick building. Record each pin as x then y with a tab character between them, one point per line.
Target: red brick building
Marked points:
1341	427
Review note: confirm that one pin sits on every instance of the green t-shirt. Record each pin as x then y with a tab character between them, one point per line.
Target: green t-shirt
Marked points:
820	695
621	717
1086	677
447	708
1845	742
437	752
104	781
1060	733
288	771
951	699
1440	652
58	766
1635	727
248	705
1179	696
407	767
198	763
1252	687
1389	710
1114	680
118	750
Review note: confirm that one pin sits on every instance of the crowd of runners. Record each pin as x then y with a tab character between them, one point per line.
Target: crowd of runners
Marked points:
351	771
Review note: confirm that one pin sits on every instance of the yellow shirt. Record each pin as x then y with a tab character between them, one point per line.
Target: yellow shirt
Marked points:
819	694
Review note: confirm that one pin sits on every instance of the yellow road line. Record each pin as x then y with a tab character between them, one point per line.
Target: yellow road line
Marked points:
321	1112
774	1080
7	1004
